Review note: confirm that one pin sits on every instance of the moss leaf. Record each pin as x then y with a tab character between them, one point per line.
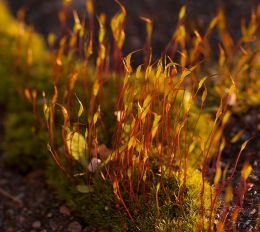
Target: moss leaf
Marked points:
85	188
77	147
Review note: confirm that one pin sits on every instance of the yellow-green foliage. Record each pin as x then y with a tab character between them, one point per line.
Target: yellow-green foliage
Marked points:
23	64
141	139
24	147
238	63
172	215
100	208
161	140
20	48
150	180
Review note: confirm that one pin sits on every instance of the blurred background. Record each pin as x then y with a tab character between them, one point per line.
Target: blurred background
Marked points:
43	15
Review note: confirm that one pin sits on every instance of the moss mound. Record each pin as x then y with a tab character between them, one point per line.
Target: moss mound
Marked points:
23	64
100	208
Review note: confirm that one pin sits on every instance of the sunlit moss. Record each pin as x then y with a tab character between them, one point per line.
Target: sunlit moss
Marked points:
24	147
101	209
23	64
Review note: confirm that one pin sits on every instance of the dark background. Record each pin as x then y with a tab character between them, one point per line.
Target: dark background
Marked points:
164	13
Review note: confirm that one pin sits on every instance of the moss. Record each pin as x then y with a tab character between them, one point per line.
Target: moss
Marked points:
173	216
100	207
24	147
24	141
10	52
97	208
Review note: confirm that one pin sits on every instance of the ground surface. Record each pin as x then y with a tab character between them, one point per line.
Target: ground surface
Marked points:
249	217
27	204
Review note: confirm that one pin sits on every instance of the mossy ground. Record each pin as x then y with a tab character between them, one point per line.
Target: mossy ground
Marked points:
100	208
25	146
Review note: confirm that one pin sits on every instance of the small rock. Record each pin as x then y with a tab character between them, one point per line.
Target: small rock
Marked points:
21	219
248	118
10	229
89	229
10	212
74	227
20	196
93	165
49	215
53	225
36	225
253	212
64	210
3	181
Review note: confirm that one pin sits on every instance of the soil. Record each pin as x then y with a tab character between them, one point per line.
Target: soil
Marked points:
28	204
249	216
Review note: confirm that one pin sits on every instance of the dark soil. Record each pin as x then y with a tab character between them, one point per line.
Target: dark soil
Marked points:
249	216
27	204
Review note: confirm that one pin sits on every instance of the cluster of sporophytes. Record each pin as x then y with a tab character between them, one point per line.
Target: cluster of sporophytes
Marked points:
240	63
132	140
129	145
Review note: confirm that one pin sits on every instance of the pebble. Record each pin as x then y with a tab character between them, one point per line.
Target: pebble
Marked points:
89	229
10	229
253	212
49	215
74	227
36	225
10	212
53	225
20	196
21	219
3	181
248	118
64	210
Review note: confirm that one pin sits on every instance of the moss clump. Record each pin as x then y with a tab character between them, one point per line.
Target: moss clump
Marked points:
23	64
25	148
175	217
101	209
98	208
19	45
